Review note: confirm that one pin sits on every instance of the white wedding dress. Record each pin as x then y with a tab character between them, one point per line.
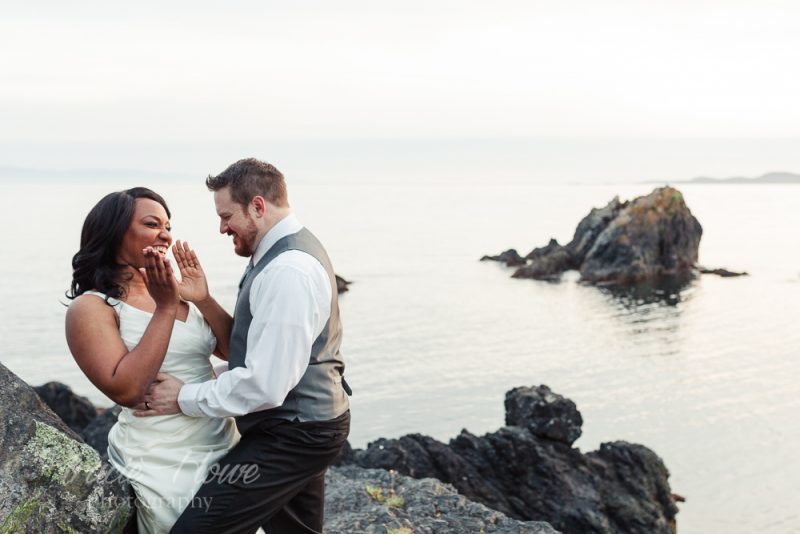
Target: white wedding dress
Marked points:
166	458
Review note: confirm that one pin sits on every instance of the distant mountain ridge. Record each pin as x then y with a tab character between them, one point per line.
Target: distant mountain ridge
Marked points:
769	178
8	173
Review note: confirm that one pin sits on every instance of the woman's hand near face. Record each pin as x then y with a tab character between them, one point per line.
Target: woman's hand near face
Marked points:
193	286
160	280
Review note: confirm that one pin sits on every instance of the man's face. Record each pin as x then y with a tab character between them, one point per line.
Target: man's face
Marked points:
235	221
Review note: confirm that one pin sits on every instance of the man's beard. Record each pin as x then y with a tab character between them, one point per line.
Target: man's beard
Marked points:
247	240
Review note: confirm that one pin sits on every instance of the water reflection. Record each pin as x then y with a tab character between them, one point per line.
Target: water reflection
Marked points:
650	315
664	290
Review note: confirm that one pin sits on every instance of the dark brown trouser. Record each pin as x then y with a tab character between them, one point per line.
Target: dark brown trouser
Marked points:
278	481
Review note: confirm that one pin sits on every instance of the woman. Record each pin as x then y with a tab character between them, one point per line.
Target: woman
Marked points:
130	318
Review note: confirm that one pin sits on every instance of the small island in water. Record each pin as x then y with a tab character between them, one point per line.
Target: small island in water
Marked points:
769	178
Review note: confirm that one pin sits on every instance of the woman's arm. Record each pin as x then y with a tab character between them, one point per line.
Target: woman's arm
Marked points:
221	324
194	288
94	340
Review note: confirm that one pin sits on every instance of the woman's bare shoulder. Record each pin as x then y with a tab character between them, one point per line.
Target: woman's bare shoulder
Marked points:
90	305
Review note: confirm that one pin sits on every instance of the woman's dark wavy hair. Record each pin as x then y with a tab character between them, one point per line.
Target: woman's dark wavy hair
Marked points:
95	265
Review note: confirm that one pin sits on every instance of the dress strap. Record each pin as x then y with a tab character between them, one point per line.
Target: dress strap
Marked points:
103	296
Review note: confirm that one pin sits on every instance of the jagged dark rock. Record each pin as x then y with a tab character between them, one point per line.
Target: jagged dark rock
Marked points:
510	257
547	265
624	243
531	472
96	433
725	273
374	501
546	414
73	409
539	252
341	284
49	479
80	414
639	502
591	226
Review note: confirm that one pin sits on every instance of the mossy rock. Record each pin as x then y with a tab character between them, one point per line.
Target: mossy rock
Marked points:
51	481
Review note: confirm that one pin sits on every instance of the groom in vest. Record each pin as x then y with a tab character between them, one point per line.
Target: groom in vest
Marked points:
284	383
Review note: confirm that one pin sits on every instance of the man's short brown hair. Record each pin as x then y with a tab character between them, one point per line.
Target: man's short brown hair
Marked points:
251	177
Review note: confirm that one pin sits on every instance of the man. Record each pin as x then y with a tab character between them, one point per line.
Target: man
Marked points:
285	382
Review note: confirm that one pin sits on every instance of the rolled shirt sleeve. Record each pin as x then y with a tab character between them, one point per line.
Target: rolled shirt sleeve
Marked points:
290	306
221	368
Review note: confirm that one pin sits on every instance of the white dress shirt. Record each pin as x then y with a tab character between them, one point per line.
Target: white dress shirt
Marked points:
290	301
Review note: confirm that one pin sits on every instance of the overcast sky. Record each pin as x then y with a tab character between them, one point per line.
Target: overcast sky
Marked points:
161	73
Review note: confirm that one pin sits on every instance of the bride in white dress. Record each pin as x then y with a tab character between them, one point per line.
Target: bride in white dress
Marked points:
137	321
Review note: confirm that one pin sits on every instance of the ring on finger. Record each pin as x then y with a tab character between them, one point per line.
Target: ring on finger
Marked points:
147	405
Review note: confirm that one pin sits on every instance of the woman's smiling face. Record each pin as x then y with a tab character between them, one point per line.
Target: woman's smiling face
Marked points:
149	228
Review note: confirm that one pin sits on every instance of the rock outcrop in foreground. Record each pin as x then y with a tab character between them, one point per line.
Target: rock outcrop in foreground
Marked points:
80	414
521	479
50	480
73	409
375	501
622	243
529	470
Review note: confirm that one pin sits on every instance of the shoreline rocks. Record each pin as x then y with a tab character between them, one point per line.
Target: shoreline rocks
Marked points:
529	470
54	482
73	409
376	501
510	257
524	478
724	273
90	423
546	414
50	480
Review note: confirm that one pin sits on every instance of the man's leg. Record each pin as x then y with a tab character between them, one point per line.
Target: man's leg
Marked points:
262	474
305	510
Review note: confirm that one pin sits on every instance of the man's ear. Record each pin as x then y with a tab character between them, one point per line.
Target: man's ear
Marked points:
259	205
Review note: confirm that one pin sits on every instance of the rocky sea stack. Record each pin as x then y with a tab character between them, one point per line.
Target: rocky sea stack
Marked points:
622	243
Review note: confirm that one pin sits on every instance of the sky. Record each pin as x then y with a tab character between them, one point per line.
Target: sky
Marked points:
182	87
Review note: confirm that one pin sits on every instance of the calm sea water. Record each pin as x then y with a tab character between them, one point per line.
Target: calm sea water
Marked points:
434	338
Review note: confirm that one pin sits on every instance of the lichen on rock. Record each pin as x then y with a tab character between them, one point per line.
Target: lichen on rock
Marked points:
55	455
51	481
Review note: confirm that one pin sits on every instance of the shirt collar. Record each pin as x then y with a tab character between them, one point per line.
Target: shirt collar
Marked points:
286	226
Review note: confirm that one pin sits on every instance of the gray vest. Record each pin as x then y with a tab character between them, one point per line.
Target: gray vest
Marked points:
321	393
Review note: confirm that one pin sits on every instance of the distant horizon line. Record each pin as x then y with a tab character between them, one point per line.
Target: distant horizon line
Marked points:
774	177
8	173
